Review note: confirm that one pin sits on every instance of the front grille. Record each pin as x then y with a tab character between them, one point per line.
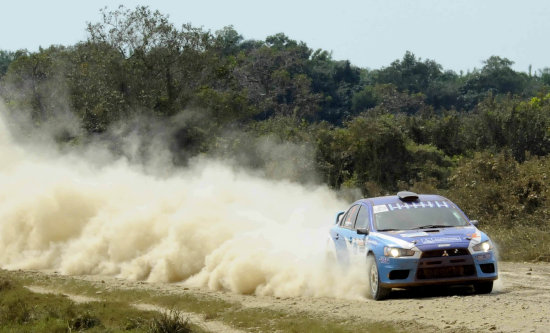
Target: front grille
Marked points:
445	272
445	263
453	252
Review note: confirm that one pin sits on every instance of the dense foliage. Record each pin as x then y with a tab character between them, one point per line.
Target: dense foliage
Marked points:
482	137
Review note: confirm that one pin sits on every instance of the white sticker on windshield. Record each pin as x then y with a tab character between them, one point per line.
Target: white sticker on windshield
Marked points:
379	209
415	234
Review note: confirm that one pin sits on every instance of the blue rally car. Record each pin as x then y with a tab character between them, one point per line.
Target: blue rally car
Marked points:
413	240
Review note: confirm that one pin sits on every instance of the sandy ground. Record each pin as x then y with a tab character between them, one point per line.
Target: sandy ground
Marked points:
520	302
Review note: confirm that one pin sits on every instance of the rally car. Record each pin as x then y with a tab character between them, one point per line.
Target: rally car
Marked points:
412	240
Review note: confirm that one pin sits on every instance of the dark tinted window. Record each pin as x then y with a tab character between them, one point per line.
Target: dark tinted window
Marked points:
362	218
351	215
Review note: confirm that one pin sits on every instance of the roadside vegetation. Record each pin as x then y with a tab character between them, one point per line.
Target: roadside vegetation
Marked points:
482	138
24	311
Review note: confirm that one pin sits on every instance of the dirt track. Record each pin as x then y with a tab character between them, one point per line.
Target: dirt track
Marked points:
519	303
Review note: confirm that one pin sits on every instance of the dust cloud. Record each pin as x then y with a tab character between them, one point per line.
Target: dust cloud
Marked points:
208	225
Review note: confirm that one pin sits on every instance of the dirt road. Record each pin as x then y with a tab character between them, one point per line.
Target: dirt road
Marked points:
519	303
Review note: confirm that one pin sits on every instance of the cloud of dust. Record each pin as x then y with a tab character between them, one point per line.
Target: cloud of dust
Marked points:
498	285
208	225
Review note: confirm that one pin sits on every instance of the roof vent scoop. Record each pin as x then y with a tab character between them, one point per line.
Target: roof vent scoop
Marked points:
407	196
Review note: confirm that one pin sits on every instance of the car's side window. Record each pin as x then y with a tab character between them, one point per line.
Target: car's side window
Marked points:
349	219
343	219
362	221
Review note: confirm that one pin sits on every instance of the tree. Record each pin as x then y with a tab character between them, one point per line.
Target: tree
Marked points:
36	82
410	74
496	78
336	82
99	85
163	64
274	75
545	76
227	41
365	150
6	57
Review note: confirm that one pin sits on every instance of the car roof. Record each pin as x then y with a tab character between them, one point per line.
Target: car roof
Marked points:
395	199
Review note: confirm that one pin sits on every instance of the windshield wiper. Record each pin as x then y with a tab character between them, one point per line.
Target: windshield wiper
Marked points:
388	229
429	226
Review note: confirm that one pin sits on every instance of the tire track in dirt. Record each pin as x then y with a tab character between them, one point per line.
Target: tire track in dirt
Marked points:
197	319
520	302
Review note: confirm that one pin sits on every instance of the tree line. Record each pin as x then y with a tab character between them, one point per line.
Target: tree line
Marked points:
411	124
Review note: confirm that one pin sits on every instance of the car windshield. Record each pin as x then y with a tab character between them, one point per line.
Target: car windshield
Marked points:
423	215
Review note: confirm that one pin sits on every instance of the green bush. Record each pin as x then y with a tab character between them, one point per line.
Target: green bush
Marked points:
170	322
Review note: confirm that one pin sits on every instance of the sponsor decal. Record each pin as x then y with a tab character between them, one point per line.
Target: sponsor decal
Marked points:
409	205
384	260
415	234
391	240
443	245
379	209
445	239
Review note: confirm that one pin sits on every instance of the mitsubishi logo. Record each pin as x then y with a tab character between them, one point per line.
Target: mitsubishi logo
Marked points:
445	254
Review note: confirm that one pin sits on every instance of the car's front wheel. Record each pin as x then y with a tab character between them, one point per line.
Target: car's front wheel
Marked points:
483	287
376	291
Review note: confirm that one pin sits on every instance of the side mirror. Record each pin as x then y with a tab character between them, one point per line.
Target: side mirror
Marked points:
362	231
474	222
338	217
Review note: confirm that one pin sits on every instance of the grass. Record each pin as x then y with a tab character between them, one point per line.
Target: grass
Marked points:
114	313
171	321
24	311
520	243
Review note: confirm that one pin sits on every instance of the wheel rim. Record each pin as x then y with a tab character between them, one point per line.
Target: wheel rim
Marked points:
374	278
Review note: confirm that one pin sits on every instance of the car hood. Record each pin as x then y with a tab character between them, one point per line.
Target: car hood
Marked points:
434	238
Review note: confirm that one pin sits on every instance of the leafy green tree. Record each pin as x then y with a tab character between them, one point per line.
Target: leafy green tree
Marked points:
35	82
414	75
444	131
364	99
336	82
443	92
496	77
365	150
527	128
163	64
274	75
545	76
410	74
392	101
227	42
99	85
6	57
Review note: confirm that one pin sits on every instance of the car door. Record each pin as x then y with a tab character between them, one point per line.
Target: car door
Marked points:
358	239
342	235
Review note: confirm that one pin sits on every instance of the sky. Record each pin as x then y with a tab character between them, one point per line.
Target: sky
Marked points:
458	34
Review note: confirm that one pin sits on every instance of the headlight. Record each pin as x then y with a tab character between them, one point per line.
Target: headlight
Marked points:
397	252
485	246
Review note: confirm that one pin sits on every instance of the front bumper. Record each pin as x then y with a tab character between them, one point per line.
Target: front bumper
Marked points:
460	268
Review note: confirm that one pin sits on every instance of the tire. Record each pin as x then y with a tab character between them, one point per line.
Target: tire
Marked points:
375	291
483	287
